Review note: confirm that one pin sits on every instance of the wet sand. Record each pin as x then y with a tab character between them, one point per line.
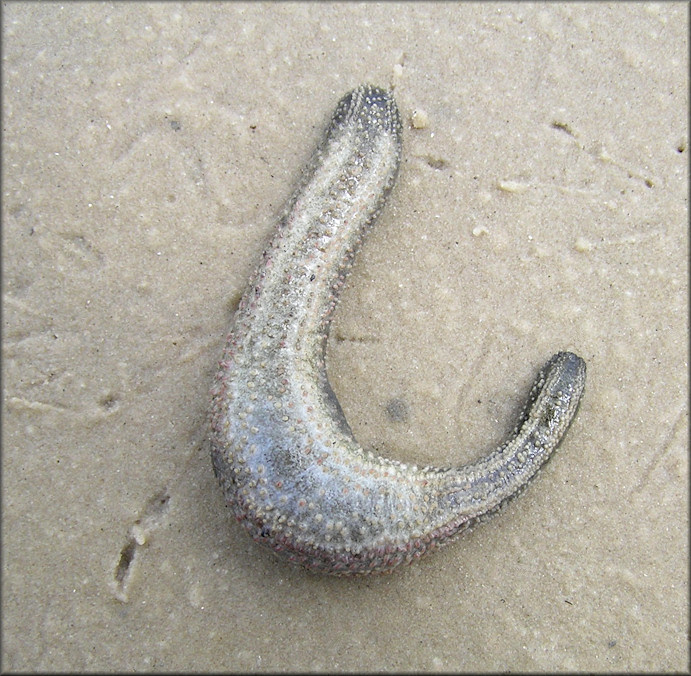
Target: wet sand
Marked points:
541	206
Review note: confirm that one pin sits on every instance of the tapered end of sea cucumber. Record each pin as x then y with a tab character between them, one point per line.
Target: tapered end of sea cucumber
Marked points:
371	108
564	379
571	366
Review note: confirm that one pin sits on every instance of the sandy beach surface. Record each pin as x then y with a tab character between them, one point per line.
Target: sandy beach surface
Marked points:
147	151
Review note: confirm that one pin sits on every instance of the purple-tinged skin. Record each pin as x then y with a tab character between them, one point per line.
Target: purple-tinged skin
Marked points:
286	458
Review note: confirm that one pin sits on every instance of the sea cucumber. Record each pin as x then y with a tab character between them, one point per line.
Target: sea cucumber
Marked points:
281	447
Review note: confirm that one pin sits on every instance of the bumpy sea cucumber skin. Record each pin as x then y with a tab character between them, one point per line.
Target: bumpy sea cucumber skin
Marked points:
281	447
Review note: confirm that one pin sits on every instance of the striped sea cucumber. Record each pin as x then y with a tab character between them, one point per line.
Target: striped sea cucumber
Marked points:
281	447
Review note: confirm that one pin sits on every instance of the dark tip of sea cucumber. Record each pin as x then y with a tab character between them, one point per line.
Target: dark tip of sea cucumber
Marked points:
573	364
371	107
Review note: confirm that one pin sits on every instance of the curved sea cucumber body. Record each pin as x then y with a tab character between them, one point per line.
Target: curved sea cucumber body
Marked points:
281	447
